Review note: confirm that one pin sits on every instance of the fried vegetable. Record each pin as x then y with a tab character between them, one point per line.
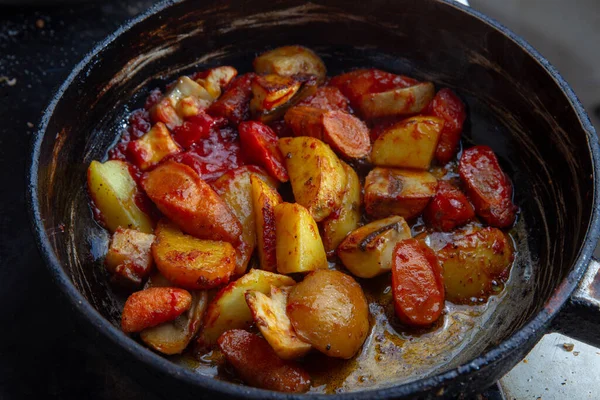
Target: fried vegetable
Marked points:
154	306
228	310
368	251
129	258
174	336
410	143
185	99
448	106
328	309
191	203
298	244
190	262
235	189
448	209
214	80
114	191
290	61
316	173
260	144
264	200
400	101
151	148
272	91
417	284
257	364
234	104
270	316
488	187
347	135
326	98
338	225
473	260
393	191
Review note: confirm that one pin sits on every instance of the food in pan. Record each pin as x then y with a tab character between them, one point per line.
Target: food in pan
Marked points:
251	213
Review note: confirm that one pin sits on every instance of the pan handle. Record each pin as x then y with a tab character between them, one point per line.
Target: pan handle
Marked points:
580	317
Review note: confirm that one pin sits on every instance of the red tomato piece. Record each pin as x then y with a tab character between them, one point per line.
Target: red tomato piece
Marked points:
488	187
154	306
327	98
234	104
153	98
448	106
197	127
417	283
448	209
260	148
257	364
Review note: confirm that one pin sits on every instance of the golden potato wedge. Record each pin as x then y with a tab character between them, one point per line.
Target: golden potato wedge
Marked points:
214	80
194	98
272	91
328	309
174	336
317	176
298	244
400	101
181	195
270	316
151	148
235	189
113	191
264	200
394	191
229	310
129	256
472	259
411	143
190	262
289	61
368	250
338	225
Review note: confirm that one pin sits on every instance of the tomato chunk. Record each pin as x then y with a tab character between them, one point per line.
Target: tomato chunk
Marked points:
448	209
260	146
448	106
417	284
257	364
154	306
488	187
234	104
196	128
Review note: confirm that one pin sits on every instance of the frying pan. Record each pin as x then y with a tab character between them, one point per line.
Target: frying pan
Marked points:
517	103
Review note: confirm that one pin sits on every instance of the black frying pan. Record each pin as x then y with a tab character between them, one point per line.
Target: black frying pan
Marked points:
518	104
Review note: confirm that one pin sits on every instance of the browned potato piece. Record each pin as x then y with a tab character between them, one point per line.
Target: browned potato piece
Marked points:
264	200
328	309
270	316
472	258
298	244
317	176
401	101
368	251
410	143
289	61
229	310
216	79
129	258
174	336
272	91
190	262
336	227
393	191
151	148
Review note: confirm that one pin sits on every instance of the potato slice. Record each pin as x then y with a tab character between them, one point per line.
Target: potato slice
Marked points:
298	243
151	148
113	192
316	173
472	259
272	91
170	111
190	262
174	336
400	101
191	203
368	251
129	258
264	200
393	191
235	189
337	226
289	61
214	80
271	318
228	310
411	143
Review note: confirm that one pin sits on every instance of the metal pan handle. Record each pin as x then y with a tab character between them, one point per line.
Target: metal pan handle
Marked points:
580	317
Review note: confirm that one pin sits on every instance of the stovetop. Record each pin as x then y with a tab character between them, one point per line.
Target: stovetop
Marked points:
43	352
